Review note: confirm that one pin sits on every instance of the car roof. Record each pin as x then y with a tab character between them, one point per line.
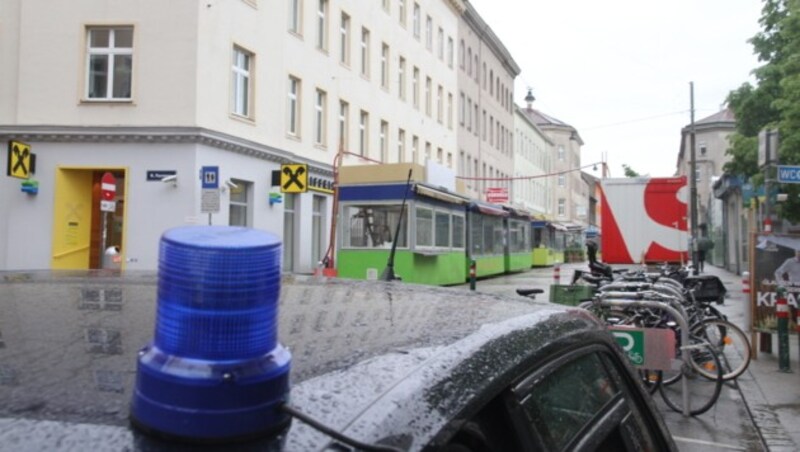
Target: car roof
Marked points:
382	362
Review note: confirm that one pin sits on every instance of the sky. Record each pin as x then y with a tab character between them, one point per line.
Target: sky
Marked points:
619	71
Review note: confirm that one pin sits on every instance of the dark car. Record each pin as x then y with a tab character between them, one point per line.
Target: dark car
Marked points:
387	364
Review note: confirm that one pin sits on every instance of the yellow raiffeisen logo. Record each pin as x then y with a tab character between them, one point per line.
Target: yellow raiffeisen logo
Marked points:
19	159
294	178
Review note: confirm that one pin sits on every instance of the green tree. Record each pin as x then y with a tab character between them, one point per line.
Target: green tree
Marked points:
629	172
774	102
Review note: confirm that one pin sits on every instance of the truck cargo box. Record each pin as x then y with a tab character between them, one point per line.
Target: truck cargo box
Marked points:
644	219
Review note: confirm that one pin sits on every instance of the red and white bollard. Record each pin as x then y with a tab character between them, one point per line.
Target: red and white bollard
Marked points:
745	282
557	274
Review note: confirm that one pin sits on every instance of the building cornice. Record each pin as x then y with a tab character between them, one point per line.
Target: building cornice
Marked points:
485	33
159	135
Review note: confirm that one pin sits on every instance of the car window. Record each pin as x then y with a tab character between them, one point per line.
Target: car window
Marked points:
567	399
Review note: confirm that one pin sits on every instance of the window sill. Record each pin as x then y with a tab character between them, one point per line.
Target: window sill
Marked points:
86	101
321	147
243	119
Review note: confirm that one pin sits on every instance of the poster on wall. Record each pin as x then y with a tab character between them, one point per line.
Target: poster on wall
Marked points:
776	263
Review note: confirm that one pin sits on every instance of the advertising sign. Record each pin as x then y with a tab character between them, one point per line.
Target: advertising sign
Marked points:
497	195
776	263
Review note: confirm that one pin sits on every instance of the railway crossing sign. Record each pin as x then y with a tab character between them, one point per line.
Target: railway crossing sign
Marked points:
294	178
20	160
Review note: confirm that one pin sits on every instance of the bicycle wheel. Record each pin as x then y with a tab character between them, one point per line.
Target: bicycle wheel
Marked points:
729	342
702	391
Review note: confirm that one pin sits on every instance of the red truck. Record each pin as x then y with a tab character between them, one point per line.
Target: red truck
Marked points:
644	220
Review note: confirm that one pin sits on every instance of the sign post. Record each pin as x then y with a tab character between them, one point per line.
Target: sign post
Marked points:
209	179
108	203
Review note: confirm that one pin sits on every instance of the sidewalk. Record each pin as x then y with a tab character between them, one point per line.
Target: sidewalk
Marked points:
772	396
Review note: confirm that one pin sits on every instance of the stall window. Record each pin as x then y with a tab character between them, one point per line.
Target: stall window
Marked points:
424	227
458	231
443	229
476	235
373	226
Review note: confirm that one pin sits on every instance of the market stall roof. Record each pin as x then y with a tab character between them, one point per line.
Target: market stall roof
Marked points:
440	194
487	209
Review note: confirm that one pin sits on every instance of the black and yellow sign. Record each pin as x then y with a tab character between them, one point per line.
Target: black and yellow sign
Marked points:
294	178
20	160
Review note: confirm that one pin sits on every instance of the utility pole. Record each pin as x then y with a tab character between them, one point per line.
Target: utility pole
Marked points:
693	181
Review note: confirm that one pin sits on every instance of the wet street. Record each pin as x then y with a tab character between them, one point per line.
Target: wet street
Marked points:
729	424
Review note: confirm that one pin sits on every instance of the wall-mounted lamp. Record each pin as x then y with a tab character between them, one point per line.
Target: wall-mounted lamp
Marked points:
172	179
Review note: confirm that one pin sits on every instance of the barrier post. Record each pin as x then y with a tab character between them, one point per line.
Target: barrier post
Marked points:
557	273
472	274
782	313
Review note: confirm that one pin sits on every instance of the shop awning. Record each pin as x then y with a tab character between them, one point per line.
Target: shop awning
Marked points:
518	213
487	209
441	195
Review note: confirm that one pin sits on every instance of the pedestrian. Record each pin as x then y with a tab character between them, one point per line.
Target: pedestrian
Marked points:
704	245
789	271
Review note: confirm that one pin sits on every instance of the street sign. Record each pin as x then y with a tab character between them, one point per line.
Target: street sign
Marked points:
649	348
108	192
497	195
20	160
294	178
157	175
788	174
209	200
209	177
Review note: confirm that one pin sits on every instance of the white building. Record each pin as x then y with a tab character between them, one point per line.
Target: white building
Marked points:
532	188
486	73
151	88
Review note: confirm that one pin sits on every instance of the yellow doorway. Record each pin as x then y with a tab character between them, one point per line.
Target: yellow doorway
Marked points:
81	231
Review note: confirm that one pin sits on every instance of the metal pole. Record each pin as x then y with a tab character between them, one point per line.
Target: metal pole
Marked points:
767	166
693	182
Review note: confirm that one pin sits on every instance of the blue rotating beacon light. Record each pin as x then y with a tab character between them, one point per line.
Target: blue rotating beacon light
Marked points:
215	371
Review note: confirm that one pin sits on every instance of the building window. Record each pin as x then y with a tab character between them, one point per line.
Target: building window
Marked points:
385	66
703	148
440	104
401	78
322	25
295	16
439	155
414	149
385	4
363	134
288	231
469	62
428	33
401	145
562	207
450	111
344	125
239	205
365	52
561	154
450	52
428	95
110	63
401	10
476	118
384	141
462	110
440	44
318	229
344	40
242	61
561	180
427	151
416	20
461	56
320	106
477	72
415	88
294	107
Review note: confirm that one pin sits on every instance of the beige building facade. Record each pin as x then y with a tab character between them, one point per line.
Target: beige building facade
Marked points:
150	90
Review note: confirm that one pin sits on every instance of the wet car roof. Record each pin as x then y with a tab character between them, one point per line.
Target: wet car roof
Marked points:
383	362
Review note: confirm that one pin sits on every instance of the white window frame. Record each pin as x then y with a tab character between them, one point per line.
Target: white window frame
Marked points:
415	87
296	16
293	106
414	149
440	44
344	39
344	124
429	33
320	126
110	52
440	104
383	140
401	145
322	25
363	133
385	66
428	96
401	78
450	51
401	10
242	90
365	37
417	21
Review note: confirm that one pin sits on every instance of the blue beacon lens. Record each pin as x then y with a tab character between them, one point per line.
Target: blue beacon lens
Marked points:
215	370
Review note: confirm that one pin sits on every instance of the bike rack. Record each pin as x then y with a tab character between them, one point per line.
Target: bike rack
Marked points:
679	315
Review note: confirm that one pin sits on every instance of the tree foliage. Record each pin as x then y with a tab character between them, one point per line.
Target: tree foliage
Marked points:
774	102
629	172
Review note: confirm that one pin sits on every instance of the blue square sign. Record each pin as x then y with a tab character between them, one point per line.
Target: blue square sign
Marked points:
788	174
209	176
